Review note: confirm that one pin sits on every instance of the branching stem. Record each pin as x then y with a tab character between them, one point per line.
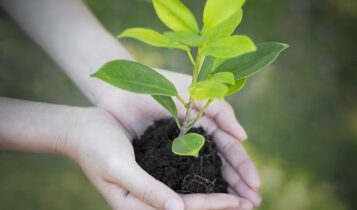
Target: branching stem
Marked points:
189	122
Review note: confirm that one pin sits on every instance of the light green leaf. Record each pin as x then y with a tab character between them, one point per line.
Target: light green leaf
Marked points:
230	47
225	28
167	103
175	15
250	63
135	77
206	68
188	145
217	11
184	37
207	89
237	86
148	36
223	77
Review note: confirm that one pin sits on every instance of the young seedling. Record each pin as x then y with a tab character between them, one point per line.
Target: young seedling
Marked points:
223	62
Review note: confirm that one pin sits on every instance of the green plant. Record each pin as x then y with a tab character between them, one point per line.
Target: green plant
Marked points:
222	64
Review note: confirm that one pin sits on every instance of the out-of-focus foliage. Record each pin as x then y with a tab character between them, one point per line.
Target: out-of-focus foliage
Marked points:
301	115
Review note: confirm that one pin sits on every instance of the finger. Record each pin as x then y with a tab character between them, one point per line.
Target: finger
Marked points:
244	203
120	199
210	201
147	188
223	114
233	151
236	183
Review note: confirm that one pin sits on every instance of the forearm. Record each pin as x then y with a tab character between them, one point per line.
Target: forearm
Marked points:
35	127
71	35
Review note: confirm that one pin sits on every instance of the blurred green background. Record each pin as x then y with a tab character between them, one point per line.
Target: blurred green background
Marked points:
301	115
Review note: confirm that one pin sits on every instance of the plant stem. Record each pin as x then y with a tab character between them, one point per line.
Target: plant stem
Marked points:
187	124
199	114
196	69
182	101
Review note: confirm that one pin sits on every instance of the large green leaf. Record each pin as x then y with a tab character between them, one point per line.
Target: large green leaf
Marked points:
217	11
250	63
188	145
224	28
135	77
175	15
237	86
229	47
167	103
223	77
184	37
207	89
206	68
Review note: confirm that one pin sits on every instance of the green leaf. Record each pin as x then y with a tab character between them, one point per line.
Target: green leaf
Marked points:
188	145
225	28
223	77
250	63
135	77
206	68
167	103
237	86
184	37
207	89
230	47
217	11
175	15
148	36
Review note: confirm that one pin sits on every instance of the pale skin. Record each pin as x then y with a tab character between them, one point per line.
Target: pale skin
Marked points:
98	139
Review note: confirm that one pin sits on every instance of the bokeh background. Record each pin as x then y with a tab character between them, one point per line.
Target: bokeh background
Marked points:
301	114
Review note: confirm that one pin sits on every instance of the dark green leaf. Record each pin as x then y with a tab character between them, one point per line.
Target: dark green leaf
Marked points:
135	77
184	37
206	68
237	86
167	103
208	89
250	63
188	145
175	15
230	47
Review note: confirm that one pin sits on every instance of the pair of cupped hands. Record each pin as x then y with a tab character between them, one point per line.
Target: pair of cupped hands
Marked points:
100	142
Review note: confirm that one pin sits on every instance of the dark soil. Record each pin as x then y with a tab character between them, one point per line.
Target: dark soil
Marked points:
181	173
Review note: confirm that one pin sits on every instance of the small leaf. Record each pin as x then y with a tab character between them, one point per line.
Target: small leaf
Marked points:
250	63
217	11
188	145
207	89
206	68
167	103
175	15
237	86
148	36
225	28
135	77
230	47
223	77
184	37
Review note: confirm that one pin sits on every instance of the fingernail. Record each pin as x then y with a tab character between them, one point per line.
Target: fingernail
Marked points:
173	204
242	134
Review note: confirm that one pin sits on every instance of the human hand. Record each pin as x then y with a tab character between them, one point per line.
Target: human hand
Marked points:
136	112
97	143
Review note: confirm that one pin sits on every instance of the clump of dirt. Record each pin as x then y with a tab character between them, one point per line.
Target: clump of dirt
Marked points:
181	173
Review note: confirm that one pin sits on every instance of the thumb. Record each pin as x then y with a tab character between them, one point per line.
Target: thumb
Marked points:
148	189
